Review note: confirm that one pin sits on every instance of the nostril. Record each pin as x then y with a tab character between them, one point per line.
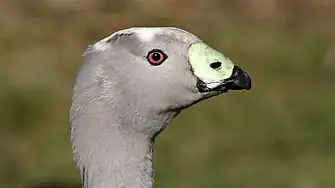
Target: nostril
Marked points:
216	65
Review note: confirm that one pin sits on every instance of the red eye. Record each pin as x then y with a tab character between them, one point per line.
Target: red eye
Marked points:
156	57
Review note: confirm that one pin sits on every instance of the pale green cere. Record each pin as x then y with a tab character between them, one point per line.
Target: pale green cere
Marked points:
201	56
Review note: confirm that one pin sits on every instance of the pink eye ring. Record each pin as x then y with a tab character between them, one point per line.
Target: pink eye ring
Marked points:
156	57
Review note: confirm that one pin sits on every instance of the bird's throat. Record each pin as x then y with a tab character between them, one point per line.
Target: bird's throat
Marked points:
113	150
119	165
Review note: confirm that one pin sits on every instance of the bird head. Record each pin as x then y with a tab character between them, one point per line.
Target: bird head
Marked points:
165	68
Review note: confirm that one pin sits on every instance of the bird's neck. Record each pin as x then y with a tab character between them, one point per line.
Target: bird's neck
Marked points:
125	163
112	147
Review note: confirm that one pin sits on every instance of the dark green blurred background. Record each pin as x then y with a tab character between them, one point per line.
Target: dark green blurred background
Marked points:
279	135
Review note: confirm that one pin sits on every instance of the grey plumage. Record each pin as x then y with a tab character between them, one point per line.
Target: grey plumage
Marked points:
121	102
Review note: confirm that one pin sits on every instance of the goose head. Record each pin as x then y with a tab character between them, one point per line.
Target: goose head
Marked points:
165	68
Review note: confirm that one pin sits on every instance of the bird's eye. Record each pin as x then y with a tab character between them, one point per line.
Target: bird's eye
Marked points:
156	57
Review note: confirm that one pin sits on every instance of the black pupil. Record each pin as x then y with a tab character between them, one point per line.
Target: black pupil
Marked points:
156	56
216	65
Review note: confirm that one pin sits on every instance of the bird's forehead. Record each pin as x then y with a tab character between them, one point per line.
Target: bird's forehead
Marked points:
147	34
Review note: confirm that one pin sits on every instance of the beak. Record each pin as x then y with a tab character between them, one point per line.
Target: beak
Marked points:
239	80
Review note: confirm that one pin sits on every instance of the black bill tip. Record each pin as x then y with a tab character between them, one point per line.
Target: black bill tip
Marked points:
239	80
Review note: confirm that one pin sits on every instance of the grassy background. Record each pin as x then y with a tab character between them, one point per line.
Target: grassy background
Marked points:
279	135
